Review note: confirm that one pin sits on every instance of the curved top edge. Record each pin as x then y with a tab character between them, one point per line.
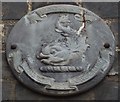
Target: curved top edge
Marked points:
62	8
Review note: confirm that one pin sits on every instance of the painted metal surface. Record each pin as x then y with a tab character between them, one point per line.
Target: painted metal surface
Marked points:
60	49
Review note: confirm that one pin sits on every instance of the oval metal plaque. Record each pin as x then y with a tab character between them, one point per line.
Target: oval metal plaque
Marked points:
60	49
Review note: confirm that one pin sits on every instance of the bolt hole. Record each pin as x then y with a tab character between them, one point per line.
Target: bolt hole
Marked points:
107	45
14	46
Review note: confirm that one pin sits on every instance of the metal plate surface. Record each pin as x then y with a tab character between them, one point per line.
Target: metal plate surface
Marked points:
60	50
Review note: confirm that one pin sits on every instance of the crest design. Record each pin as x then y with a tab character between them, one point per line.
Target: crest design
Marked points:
60	49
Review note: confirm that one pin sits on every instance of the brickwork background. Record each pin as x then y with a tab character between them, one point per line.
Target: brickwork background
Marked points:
13	90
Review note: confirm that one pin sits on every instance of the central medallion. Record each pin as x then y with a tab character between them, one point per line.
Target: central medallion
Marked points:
69	46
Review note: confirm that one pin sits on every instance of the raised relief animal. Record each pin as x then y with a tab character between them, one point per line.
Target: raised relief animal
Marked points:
72	45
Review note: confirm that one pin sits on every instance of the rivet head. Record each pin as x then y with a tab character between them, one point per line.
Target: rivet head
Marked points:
107	45
13	46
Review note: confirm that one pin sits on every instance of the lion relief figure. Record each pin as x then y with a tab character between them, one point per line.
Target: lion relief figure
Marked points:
70	46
